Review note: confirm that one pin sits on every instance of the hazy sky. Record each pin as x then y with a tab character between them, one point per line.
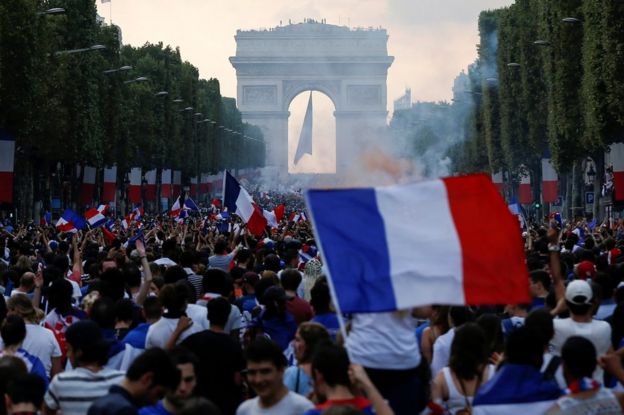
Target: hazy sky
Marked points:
431	40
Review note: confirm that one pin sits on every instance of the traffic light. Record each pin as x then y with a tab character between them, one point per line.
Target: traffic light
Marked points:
537	205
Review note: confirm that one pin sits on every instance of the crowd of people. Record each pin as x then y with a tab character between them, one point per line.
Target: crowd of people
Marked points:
171	317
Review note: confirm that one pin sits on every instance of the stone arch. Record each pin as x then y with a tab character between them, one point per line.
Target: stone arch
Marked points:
350	66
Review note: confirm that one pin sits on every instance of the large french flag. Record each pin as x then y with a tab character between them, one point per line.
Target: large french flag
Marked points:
497	179
165	184
110	184
433	242
237	200
550	181
134	190
177	182
617	160
525	196
150	187
7	164
88	185
515	389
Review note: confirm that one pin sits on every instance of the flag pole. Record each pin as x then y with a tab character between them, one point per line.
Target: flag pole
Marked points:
332	289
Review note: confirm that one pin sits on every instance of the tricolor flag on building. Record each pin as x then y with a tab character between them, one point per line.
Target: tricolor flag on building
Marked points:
550	181
88	185
97	216
525	195
442	241
150	187
616	155
166	190
7	164
497	179
70	221
134	190
110	182
193	188
237	200
177	182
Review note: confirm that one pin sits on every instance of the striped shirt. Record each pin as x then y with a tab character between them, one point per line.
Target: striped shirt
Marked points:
74	391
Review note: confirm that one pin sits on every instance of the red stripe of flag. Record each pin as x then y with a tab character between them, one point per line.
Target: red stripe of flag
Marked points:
493	259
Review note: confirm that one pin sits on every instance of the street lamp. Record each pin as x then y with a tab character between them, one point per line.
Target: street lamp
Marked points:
122	68
491	79
513	65
54	10
139	79
186	109
72	51
540	42
571	20
178	100
161	94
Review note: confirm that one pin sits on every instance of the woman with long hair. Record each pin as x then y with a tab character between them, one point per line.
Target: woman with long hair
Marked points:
308	336
455	385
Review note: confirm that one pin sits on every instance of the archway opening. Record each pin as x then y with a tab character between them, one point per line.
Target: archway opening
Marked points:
323	157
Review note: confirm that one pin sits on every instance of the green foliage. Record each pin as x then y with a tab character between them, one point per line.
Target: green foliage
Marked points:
566	94
62	106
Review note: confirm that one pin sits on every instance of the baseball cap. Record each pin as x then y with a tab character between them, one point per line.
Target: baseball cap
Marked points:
579	292
586	269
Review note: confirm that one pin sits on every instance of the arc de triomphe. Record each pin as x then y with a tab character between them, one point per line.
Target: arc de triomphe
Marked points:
350	66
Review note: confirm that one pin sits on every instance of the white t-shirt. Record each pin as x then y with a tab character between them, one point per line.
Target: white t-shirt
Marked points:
158	333
234	321
384	341
596	331
291	404
199	315
41	342
442	351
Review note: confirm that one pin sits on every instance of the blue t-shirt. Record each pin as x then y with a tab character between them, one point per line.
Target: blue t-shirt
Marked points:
280	330
330	322
158	409
136	337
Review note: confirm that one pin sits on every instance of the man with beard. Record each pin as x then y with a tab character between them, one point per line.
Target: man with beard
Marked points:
187	364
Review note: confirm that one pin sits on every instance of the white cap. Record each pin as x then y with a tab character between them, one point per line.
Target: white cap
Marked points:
579	292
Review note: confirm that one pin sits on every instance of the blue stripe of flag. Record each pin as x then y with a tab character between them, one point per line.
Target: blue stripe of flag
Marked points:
350	223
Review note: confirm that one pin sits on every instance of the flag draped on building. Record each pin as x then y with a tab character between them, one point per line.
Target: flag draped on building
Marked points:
550	181
193	188
134	190
440	241
177	182
238	201
150	187
88	185
165	184
7	164
525	195
110	184
617	160
497	179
